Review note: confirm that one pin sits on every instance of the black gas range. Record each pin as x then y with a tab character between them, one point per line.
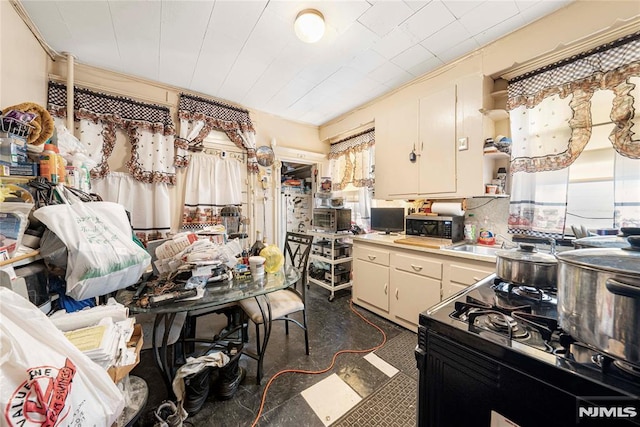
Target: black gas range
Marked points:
494	355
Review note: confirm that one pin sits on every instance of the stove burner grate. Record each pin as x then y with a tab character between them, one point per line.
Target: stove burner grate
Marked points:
532	293
502	323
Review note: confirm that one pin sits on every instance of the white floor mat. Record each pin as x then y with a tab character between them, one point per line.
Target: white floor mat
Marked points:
379	363
331	398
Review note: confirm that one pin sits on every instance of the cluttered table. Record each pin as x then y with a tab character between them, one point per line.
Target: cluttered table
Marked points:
215	295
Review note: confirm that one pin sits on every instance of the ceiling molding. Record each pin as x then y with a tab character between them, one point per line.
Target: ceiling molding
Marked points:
614	32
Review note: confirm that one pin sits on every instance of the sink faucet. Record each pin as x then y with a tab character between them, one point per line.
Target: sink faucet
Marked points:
506	243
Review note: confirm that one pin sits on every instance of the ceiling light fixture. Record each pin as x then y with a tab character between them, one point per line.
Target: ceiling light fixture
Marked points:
309	25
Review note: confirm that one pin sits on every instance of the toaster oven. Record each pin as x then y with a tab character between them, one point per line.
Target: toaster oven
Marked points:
331	220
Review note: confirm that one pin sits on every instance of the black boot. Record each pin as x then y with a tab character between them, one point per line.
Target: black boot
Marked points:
196	387
228	378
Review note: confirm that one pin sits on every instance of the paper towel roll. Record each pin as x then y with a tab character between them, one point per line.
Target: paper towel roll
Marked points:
447	208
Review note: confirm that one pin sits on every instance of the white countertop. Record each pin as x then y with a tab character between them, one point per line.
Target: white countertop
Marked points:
440	249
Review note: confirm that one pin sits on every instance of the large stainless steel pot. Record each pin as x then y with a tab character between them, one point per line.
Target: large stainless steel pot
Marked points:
527	266
599	298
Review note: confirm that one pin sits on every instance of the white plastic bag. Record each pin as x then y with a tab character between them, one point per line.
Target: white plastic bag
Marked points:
102	256
46	380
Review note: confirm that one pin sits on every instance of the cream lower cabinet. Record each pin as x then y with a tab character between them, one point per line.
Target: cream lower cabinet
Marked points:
394	284
460	273
415	282
371	271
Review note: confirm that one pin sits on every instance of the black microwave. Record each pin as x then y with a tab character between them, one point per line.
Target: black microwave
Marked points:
441	227
331	220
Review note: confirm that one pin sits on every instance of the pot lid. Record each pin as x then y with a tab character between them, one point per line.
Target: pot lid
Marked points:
602	242
617	260
527	252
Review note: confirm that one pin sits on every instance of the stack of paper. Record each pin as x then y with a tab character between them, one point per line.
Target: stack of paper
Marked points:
105	342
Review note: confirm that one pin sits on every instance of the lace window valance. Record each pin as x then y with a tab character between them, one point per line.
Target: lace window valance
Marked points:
551	107
199	116
149	129
351	159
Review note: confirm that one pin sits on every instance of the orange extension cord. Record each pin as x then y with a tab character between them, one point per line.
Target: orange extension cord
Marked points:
333	362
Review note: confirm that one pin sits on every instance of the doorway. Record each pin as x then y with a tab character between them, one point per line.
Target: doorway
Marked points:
295	198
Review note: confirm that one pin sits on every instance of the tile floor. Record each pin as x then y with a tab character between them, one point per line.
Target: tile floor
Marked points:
367	389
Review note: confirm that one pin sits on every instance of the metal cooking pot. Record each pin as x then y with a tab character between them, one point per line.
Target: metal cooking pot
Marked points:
599	298
527	266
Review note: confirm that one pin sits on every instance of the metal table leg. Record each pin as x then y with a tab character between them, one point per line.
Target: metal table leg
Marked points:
160	353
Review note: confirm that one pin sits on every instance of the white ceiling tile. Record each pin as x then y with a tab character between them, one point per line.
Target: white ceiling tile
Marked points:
367	61
500	30
181	44
428	20
412	57
487	15
50	23
426	66
89	21
382	17
451	35
395	42
139	39
399	79
386	72
539	9
417	4
246	51
457	51
461	8
292	92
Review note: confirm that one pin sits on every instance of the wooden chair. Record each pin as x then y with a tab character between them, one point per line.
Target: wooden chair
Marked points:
282	303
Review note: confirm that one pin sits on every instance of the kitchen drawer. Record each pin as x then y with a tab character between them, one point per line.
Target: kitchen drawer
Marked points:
466	275
373	255
417	265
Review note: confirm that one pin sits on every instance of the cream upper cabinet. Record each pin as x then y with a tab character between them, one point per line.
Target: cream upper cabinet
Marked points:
415	147
437	171
396	137
445	126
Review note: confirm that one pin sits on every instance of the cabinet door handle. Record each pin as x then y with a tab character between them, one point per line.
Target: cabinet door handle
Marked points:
396	293
476	279
385	288
416	267
371	257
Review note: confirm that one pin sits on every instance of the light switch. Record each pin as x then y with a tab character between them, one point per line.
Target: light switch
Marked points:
463	144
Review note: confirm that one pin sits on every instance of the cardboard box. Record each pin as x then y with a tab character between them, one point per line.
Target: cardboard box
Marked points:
117	373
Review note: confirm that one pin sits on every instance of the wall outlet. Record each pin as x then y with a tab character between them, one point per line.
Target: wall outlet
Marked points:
463	144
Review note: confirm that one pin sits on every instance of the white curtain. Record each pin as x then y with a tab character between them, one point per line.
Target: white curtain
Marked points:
211	182
147	203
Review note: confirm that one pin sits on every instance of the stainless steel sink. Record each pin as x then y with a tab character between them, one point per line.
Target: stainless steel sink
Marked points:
474	249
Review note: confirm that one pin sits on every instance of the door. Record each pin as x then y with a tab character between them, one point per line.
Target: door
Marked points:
437	135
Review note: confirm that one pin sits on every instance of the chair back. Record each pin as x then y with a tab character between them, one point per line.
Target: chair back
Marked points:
297	248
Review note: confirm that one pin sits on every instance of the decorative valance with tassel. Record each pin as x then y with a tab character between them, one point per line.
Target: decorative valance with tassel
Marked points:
199	116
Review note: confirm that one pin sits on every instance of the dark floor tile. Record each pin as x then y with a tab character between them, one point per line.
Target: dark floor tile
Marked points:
333	327
361	375
295	412
399	351
394	405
